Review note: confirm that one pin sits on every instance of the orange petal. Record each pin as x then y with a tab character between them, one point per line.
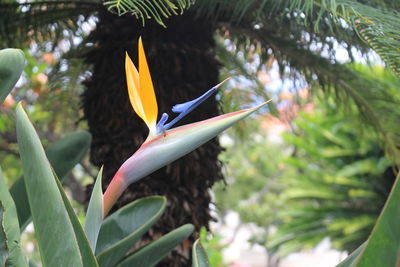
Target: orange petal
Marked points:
146	90
132	80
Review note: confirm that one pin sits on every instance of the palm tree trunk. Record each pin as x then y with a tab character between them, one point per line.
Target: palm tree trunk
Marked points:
183	66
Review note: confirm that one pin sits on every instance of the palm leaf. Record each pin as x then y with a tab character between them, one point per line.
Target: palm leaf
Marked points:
376	22
42	20
155	9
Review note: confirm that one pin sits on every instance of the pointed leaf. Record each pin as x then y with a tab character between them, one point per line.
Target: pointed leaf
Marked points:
199	255
12	63
63	155
122	229
383	246
53	229
352	258
154	252
94	214
10	228
88	258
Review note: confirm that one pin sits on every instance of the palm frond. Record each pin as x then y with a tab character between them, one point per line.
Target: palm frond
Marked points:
378	26
376	22
287	44
149	9
340	185
42	20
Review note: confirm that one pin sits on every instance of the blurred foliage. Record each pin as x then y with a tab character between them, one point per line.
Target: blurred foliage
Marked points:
341	182
328	177
254	168
212	245
53	108
307	40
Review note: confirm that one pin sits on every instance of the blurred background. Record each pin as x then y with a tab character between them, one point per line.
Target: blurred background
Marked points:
300	183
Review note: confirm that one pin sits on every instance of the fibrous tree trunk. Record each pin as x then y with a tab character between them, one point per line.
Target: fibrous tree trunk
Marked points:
183	66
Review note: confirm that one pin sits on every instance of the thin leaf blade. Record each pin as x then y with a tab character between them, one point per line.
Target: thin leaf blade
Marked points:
94	214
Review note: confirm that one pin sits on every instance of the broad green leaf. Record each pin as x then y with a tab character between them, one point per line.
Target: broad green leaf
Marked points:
10	228
12	63
63	155
88	258
53	229
152	253
199	255
94	214
351	259
383	248
122	229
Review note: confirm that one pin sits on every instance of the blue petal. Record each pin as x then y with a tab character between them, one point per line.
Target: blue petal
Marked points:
161	122
184	109
190	105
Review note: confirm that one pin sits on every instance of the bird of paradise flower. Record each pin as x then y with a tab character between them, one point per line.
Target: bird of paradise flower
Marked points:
164	144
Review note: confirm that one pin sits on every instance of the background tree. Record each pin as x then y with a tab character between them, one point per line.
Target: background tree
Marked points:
302	36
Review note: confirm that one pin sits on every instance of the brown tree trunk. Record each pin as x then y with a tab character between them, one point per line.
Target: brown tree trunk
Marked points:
183	66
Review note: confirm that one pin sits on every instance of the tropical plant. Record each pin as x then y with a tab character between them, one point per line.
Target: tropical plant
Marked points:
61	238
342	180
182	57
108	242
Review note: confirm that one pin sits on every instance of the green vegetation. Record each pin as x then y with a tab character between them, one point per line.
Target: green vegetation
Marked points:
332	174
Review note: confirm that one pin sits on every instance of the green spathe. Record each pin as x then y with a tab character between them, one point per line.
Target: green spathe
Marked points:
167	147
176	143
